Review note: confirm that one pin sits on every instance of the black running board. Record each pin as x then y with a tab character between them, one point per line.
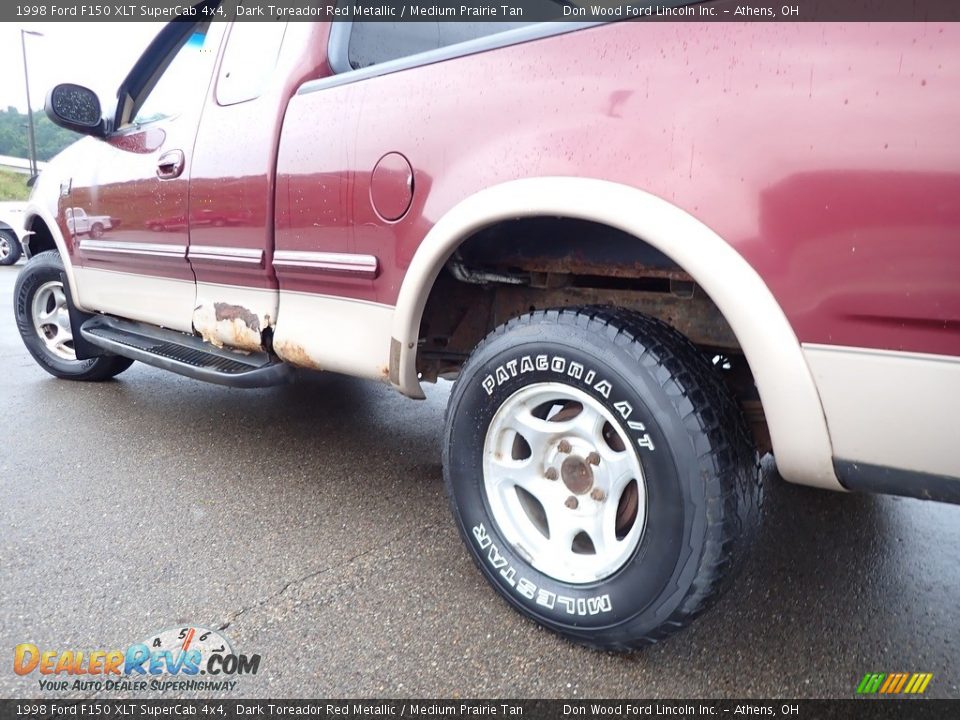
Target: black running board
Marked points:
184	354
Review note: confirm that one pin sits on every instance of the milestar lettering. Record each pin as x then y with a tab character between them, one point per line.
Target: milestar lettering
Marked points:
524	587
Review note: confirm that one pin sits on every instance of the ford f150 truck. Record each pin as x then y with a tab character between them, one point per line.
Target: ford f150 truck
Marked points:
649	253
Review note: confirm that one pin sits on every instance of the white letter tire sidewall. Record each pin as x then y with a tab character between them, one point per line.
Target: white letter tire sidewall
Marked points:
649	587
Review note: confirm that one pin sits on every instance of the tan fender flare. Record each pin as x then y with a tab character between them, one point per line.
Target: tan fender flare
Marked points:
798	428
35	210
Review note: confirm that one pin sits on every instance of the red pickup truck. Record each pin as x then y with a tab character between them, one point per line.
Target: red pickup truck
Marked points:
649	252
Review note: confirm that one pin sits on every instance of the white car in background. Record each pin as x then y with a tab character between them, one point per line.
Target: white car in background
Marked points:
11	231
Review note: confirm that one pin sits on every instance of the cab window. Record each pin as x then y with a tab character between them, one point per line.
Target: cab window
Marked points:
249	60
179	83
372	43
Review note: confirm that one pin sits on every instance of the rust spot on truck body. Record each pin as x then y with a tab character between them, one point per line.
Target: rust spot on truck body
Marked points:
295	354
224	324
228	312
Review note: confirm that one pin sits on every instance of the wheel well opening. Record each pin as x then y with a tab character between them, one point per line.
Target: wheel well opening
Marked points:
41	240
518	266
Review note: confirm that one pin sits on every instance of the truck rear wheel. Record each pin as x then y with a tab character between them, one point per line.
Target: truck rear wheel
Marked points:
40	307
600	473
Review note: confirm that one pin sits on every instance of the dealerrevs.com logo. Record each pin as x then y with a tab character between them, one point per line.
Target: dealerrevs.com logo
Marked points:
178	660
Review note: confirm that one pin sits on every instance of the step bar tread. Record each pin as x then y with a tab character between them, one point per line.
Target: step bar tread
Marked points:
184	354
171	350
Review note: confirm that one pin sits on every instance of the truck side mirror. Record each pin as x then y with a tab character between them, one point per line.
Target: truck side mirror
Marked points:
76	108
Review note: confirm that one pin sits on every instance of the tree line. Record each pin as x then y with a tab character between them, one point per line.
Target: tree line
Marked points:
50	138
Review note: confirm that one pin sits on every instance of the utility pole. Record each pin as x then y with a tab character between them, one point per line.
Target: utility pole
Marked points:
26	78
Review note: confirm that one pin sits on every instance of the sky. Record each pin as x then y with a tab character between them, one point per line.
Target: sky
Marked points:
97	55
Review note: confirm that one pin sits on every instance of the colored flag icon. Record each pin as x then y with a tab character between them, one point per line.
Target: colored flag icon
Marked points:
894	683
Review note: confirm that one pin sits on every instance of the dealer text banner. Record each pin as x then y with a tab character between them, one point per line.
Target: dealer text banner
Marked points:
527	709
486	10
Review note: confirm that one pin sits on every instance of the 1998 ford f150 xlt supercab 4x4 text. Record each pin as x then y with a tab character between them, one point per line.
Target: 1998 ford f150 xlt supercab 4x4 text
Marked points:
650	253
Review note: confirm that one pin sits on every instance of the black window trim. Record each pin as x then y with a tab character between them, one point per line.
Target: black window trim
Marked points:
152	63
338	45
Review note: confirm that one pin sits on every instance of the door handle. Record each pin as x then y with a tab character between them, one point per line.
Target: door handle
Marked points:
170	165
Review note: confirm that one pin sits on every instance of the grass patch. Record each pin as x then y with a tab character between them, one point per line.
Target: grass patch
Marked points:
13	186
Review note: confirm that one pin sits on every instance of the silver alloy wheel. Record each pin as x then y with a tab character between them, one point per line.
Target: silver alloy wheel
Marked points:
51	319
5	248
564	483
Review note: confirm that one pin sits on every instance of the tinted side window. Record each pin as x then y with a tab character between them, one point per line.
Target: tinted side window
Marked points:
372	43
183	80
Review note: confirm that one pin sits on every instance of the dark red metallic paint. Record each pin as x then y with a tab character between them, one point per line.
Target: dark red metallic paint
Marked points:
234	165
825	154
391	186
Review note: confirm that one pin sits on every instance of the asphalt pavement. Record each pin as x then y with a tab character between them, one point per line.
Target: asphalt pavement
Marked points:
310	522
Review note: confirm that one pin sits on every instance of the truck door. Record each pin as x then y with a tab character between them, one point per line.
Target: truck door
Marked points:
232	183
128	211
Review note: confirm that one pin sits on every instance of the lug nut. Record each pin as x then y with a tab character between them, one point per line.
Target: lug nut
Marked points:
564	446
571	502
593	458
598	495
551	473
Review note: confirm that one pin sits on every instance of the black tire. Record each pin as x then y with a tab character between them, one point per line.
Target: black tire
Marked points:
40	270
96	230
702	479
10	250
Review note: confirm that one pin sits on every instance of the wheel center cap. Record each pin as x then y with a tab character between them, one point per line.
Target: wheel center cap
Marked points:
576	475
